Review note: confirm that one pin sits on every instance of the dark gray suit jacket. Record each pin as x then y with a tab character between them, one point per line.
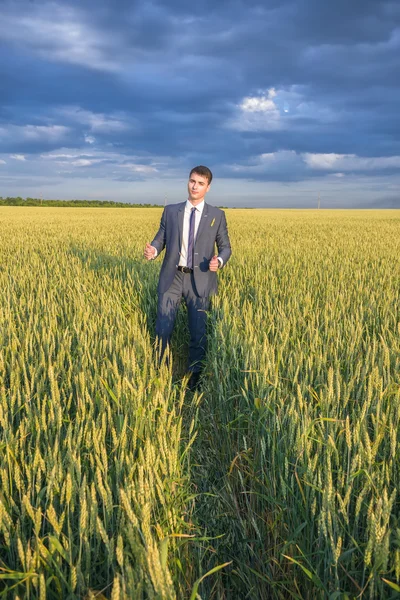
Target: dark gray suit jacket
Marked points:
212	231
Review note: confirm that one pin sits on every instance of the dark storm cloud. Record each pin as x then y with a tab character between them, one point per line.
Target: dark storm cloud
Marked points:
222	83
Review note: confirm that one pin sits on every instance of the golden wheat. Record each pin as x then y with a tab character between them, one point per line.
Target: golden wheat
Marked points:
115	482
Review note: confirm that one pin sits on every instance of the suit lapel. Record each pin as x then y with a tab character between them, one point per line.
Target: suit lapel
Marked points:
181	214
203	222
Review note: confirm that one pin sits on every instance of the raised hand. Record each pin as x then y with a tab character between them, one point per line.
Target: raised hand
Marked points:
214	264
149	251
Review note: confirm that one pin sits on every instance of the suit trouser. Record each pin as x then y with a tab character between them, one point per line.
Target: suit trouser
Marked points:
168	304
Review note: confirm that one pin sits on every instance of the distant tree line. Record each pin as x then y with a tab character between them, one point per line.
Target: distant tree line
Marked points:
18	201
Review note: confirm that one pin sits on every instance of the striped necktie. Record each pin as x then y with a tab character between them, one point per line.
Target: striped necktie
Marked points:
191	238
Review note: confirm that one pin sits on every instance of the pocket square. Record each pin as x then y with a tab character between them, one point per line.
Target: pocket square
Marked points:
212	222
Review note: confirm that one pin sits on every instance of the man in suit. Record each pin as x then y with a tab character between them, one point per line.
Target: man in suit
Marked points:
189	232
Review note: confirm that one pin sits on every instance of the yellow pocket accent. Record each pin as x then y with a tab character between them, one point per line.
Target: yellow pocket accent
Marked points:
212	222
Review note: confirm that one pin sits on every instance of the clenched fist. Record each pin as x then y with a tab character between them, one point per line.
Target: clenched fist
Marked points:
149	252
214	264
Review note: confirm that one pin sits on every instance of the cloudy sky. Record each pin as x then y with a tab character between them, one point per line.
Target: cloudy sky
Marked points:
284	100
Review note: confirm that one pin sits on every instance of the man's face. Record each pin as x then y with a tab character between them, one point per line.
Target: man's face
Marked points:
198	187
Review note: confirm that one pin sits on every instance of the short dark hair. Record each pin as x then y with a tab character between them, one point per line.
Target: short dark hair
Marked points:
203	171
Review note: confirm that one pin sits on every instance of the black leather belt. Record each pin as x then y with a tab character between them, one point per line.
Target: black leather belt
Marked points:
185	269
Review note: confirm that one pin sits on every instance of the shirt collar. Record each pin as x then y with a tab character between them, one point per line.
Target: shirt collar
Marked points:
199	207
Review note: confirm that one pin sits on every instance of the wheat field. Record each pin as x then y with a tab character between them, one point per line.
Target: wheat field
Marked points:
280	480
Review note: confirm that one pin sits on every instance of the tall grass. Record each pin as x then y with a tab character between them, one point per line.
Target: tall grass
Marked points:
117	483
299	430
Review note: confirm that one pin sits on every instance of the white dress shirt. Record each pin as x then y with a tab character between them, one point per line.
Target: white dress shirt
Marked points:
185	233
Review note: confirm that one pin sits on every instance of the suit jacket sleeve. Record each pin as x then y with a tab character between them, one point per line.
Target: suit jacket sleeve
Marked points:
160	238
222	239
